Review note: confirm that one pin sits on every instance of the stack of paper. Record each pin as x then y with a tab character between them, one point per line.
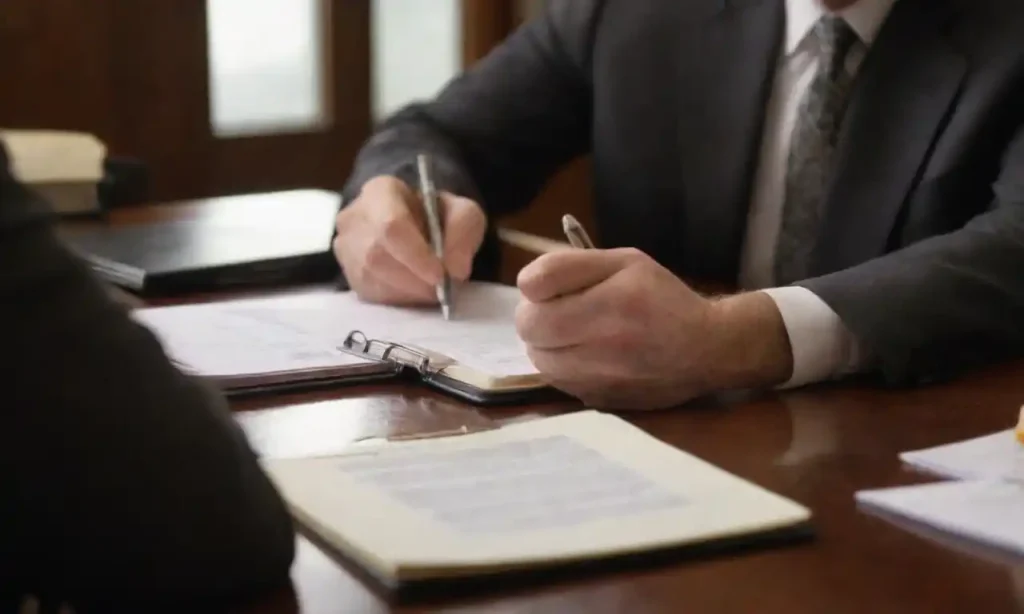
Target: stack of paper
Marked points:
286	340
999	456
987	511
240	347
984	503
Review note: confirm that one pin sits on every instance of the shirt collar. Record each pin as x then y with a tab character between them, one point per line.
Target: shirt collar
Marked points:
865	17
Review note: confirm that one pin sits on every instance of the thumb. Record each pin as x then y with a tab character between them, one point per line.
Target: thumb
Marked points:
464	227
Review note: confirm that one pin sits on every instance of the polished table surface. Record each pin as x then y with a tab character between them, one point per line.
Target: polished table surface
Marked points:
817	446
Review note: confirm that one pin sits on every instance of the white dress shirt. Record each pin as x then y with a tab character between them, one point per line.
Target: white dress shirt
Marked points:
822	346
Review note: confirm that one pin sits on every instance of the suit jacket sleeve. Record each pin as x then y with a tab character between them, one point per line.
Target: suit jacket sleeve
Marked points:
123	480
946	304
500	130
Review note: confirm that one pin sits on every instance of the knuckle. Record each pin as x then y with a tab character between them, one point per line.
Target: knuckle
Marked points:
392	227
632	254
633	304
345	260
346	218
383	185
376	257
536	277
525	319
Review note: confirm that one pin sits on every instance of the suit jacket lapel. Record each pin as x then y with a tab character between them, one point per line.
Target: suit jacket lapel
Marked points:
903	96
725	84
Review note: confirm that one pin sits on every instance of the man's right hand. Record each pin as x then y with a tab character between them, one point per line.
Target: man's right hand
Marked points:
382	247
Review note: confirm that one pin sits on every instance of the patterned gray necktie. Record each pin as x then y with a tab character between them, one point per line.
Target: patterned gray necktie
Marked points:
810	153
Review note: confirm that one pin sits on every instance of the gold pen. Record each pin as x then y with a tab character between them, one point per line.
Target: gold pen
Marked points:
436	228
575	233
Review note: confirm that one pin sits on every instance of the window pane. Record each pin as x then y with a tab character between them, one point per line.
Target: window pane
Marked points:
266	65
417	48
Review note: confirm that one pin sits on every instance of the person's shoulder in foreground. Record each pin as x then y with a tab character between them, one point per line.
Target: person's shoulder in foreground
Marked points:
126	484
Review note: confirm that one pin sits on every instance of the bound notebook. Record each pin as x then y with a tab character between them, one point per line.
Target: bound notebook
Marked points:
577	488
330	338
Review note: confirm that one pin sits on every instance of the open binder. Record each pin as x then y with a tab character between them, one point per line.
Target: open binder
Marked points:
447	375
323	339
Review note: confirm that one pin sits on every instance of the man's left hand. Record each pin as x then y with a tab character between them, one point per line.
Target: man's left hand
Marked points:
619	331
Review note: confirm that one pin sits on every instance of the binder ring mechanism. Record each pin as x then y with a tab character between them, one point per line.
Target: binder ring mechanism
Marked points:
357	341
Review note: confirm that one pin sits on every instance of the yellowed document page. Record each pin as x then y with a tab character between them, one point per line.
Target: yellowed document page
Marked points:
580	486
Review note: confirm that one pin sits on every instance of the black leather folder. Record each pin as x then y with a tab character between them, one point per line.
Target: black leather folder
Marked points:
234	242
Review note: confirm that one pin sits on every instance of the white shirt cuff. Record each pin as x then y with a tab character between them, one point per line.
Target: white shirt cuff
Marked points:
823	348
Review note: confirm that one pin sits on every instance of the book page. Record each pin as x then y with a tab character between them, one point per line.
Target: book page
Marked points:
227	339
997	456
988	511
481	335
540	484
572	487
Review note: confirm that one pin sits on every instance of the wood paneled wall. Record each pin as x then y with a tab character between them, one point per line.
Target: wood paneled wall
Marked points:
135	73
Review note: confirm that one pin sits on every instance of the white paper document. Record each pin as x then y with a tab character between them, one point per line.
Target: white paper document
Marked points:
997	456
481	335
985	511
225	340
540	484
306	331
567	488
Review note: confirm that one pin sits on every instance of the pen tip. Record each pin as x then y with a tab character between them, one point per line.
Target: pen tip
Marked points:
446	311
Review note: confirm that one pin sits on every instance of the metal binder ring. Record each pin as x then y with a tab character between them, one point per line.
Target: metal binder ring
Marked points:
358	341
350	341
422	360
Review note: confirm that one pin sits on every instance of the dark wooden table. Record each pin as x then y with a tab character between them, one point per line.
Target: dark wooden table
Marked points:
817	446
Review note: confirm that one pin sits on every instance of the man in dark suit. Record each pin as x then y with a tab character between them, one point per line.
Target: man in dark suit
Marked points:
127	486
854	167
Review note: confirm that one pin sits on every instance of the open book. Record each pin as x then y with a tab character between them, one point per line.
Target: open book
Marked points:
574	488
333	337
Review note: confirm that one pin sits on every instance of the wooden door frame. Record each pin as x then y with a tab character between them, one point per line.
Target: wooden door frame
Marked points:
204	164
136	74
485	23
347	74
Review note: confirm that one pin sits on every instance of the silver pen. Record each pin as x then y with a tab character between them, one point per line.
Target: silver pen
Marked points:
575	233
435	226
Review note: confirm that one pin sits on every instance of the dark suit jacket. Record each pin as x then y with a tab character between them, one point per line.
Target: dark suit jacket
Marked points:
922	246
123	484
